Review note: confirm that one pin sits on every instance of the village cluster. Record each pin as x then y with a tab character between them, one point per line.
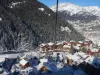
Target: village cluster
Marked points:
86	46
62	58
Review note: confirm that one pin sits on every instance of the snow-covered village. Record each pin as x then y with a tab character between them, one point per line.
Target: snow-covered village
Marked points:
56	37
62	58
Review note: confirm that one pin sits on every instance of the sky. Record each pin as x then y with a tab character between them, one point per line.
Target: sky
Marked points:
78	2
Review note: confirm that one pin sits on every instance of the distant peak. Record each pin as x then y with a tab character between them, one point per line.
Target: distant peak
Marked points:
76	9
62	4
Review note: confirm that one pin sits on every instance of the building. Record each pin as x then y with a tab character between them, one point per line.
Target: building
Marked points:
24	63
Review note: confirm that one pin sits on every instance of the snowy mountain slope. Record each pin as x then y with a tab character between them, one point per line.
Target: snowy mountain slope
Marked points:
85	19
23	25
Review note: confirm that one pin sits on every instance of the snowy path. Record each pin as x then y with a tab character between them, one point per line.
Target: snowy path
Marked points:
15	55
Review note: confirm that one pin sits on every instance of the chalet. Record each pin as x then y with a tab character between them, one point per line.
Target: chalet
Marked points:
95	50
69	59
66	48
41	64
51	46
43	47
80	43
67	43
72	42
59	46
24	64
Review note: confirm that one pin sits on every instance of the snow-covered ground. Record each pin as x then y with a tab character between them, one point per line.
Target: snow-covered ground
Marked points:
56	67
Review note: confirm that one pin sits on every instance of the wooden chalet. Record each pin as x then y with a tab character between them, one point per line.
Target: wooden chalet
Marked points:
24	64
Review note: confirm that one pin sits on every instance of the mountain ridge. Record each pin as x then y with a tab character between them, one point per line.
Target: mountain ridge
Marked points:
85	19
77	9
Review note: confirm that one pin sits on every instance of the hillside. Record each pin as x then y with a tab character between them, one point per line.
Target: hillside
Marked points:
23	26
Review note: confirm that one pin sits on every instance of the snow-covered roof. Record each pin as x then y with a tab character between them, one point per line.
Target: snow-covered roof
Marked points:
75	57
66	46
94	50
72	41
81	53
68	43
89	59
43	44
80	41
23	62
80	61
76	47
59	43
43	60
59	65
85	56
78	44
80	57
69	56
50	43
86	43
38	67
28	69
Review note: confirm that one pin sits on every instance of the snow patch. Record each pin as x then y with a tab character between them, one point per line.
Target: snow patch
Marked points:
0	19
65	29
41	9
49	14
13	4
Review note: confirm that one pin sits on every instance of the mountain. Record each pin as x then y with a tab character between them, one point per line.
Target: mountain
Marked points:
85	19
24	24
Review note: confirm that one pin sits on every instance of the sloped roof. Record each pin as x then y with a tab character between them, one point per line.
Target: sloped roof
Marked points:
23	62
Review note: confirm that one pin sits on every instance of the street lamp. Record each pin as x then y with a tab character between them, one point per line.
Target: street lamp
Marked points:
56	21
